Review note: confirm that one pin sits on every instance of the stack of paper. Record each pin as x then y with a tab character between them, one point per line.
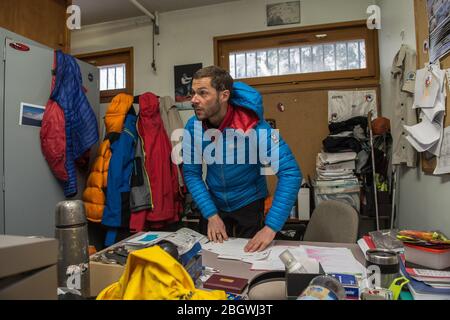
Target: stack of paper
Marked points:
430	96
336	161
331	166
427	284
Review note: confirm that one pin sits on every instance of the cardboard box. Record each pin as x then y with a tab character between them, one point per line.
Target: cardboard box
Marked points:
103	275
303	207
31	271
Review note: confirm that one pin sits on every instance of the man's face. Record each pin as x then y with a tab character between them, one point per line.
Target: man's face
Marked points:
206	100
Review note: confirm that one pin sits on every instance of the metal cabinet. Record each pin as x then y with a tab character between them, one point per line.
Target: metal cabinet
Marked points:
30	191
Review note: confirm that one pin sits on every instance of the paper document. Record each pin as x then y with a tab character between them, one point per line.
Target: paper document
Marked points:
425	133
335	260
427	86
273	261
233	249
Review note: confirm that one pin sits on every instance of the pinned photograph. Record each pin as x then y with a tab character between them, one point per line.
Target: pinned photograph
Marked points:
183	80
439	26
283	13
31	115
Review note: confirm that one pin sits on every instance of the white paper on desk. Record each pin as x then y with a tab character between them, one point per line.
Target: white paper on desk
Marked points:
335	260
233	249
273	261
443	161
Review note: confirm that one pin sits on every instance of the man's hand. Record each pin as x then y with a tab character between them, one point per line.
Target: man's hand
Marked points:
216	229
261	240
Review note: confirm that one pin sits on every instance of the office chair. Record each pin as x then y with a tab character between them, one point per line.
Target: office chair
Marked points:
333	221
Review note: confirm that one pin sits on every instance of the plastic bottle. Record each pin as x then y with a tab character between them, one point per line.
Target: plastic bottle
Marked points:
291	264
323	288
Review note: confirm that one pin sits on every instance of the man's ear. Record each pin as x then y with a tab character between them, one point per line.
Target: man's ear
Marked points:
225	95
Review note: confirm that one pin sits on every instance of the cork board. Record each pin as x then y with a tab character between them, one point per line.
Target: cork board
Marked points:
422	33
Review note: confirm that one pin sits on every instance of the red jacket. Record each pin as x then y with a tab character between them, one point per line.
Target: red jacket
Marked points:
53	136
162	172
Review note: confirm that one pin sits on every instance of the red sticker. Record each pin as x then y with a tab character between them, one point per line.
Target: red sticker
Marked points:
19	46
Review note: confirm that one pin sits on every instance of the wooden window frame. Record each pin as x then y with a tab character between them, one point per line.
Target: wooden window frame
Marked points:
113	57
336	32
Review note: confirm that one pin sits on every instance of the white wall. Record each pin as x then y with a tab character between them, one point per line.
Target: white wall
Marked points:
424	200
396	16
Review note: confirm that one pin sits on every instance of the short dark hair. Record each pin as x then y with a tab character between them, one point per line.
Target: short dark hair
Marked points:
220	78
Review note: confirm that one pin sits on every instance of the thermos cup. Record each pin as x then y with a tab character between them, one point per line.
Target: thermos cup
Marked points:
73	256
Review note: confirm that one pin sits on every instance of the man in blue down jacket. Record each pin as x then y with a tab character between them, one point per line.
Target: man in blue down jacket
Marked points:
232	200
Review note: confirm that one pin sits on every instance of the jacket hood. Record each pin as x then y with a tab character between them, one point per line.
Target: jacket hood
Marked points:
245	96
117	111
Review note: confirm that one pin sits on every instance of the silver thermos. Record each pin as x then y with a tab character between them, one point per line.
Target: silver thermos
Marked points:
73	256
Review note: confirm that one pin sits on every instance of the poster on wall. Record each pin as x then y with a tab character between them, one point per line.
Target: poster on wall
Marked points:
31	115
283	13
183	80
439	26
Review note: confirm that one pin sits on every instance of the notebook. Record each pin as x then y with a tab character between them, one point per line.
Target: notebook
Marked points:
226	283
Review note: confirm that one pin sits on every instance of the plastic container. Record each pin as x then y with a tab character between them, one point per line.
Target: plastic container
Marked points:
431	258
388	263
323	288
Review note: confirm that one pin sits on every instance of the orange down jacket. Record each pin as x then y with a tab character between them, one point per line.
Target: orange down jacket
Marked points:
94	194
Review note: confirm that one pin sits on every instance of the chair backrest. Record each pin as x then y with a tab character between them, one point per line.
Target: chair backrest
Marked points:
333	221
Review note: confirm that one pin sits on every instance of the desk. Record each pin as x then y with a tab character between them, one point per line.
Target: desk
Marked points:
242	269
103	275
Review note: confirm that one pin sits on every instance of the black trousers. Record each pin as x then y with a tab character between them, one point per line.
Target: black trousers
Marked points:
242	223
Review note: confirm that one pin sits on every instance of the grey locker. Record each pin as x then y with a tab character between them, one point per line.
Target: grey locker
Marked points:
30	191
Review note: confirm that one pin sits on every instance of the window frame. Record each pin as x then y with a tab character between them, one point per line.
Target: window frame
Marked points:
336	32
113	57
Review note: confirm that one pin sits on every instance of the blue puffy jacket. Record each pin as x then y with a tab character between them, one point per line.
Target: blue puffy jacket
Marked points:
232	186
80	120
117	206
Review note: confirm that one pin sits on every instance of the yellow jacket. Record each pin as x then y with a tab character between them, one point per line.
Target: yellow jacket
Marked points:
153	274
93	195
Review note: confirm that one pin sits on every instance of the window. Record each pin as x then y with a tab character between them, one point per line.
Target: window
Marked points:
336	52
299	59
116	71
112	77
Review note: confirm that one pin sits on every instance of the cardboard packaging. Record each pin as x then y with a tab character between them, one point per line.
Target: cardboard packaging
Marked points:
31	271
